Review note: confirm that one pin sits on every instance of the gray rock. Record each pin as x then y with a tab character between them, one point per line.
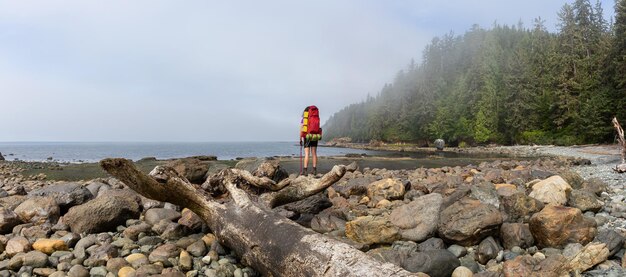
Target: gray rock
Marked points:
66	195
149	269
102	214
328	221
16	262
101	254
163	253
612	239
8	220
585	201
38	210
519	207
78	271
487	249
468	221
153	216
133	231
418	219
197	249
149	240
486	193
356	186
435	263
35	259
516	235
432	244
457	250
98	271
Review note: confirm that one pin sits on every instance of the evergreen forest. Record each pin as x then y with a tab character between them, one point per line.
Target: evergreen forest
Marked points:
505	85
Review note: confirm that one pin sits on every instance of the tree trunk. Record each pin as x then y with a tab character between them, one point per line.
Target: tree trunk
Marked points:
266	241
621	168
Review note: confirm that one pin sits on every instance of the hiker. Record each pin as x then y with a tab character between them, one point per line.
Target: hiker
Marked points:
310	134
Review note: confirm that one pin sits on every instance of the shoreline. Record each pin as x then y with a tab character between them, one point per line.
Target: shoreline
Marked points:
450	182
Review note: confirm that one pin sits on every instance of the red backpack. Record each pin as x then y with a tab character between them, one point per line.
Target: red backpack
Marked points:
311	122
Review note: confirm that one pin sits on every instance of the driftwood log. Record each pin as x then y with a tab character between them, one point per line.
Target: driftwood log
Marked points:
621	168
265	240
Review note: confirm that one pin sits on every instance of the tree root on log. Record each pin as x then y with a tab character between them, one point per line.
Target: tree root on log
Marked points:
266	241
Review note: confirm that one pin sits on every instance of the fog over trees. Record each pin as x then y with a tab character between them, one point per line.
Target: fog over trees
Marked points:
506	84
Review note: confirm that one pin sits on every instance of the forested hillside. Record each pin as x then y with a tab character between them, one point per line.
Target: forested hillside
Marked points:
507	85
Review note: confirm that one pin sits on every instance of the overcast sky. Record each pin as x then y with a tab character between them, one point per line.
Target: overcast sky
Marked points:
213	70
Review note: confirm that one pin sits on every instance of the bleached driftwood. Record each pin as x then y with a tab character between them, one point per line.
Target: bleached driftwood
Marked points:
266	241
621	168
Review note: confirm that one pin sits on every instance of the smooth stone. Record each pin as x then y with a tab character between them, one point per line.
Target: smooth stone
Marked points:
462	271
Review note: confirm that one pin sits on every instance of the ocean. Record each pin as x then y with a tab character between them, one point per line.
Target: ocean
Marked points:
76	152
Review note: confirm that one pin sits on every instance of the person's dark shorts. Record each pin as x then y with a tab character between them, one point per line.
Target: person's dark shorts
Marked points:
309	143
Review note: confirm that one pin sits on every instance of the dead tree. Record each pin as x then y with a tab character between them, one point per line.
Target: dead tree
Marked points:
621	168
265	240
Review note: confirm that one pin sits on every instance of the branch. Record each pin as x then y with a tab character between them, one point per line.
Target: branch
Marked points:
172	187
303	187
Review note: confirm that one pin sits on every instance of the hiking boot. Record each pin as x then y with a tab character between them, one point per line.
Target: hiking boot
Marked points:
303	172
314	170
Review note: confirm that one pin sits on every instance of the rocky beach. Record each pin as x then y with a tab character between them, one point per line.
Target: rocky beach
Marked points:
560	213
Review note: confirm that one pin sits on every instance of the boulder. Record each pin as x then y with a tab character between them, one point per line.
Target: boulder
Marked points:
516	234
102	214
525	265
371	230
155	215
418	219
1	157
356	186
589	256
431	244
556	226
388	188
8	220
468	221
585	201
191	168
11	202
554	190
38	210
612	239
519	207
435	263
270	168
595	186
328	221
66	195
486	193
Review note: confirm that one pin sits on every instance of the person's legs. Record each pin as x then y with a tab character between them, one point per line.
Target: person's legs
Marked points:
306	160
314	154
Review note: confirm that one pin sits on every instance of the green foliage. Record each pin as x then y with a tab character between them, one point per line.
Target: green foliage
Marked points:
504	85
535	137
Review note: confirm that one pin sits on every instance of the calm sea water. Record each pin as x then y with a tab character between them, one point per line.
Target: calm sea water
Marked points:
95	151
